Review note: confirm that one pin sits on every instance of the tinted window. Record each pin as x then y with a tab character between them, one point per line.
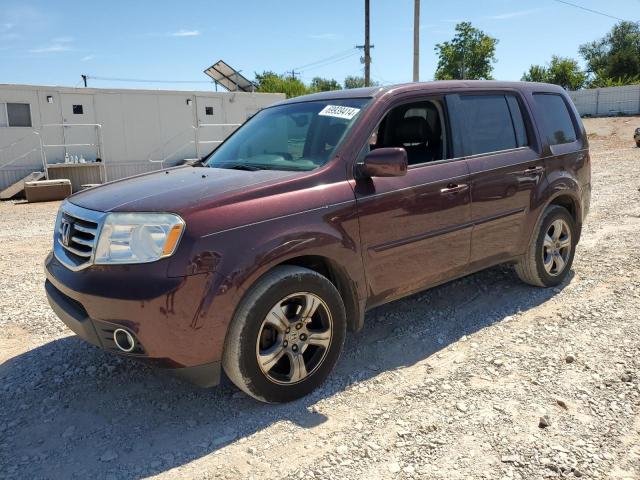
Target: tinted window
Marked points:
19	114
558	127
489	124
518	121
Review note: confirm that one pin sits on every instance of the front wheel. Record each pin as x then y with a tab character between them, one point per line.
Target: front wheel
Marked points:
286	335
550	253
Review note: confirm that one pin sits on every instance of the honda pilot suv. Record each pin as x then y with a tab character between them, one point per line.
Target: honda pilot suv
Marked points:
260	259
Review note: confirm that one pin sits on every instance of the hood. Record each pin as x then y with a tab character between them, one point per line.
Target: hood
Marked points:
174	190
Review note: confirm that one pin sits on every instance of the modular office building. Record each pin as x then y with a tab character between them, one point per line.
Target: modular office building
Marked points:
92	135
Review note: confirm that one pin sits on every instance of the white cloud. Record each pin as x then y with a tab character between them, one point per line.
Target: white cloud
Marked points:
509	15
326	36
185	33
58	44
51	48
87	58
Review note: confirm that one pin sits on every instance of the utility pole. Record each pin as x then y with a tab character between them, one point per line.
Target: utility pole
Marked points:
416	41
293	73
367	46
366	59
84	79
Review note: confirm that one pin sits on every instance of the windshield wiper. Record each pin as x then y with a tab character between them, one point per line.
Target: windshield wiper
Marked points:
240	166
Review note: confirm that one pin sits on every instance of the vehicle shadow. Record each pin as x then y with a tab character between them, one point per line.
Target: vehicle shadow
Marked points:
71	410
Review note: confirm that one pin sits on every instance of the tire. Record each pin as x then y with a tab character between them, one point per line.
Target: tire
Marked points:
638	143
533	268
272	324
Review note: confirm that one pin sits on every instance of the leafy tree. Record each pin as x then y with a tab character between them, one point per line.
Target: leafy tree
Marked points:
469	55
353	81
270	82
536	73
600	82
616	56
562	71
319	84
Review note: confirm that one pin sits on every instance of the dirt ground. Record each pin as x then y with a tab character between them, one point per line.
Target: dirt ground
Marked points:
453	383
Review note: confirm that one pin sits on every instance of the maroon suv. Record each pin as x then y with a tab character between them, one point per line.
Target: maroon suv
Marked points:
316	210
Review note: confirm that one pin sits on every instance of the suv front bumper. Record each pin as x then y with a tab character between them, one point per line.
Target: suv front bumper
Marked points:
161	314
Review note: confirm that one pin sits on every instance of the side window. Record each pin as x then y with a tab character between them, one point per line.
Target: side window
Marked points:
518	121
18	115
489	123
557	123
416	127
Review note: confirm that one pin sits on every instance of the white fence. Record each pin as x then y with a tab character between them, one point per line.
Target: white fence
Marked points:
608	101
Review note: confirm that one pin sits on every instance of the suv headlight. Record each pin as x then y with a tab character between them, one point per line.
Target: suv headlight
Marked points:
138	237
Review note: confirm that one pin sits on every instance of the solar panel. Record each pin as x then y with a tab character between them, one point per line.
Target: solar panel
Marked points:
229	77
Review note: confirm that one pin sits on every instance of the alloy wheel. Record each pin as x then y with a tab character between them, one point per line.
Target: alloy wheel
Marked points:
294	338
556	247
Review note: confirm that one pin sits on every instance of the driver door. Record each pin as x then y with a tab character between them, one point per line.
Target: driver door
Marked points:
415	229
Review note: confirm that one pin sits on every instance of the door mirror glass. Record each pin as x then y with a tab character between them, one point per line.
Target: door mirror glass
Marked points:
384	162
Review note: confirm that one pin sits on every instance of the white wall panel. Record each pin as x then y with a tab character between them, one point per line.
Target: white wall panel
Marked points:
136	125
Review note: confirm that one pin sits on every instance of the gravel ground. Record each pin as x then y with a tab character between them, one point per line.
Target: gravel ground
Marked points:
481	378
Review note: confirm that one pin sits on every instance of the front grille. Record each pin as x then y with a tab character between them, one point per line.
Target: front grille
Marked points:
76	235
80	240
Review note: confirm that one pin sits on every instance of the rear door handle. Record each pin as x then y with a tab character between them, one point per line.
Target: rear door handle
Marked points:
454	188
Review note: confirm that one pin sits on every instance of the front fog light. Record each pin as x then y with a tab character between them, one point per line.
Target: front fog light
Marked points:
138	237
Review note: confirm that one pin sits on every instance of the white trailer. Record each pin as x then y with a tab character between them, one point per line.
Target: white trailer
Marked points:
126	131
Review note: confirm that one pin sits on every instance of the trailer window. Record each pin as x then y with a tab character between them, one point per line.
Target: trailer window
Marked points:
208	110
78	110
19	115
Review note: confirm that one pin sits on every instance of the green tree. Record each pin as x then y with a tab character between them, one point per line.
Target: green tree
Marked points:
270	82
561	71
353	81
615	58
319	84
469	55
536	73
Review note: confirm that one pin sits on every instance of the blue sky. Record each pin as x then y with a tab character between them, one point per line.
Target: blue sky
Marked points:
53	43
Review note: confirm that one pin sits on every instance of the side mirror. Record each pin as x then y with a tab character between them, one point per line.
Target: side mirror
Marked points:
384	162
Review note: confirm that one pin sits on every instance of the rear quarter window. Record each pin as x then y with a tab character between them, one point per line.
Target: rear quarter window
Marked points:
557	124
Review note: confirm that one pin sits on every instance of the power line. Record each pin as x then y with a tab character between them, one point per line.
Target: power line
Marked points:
591	10
324	59
340	59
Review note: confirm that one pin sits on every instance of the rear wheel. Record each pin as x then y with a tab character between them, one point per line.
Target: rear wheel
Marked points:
638	143
286	336
550	254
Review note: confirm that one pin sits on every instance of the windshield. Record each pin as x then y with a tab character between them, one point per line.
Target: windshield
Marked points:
296	136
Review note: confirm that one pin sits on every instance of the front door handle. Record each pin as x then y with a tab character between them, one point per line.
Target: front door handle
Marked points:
534	170
454	188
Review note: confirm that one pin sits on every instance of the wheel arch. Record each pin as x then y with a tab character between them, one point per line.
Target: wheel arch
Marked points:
568	200
340	278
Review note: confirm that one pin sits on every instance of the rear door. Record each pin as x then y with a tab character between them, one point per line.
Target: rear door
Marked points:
212	125
505	167
79	118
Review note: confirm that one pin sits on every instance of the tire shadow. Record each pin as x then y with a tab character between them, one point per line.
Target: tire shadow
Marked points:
71	410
